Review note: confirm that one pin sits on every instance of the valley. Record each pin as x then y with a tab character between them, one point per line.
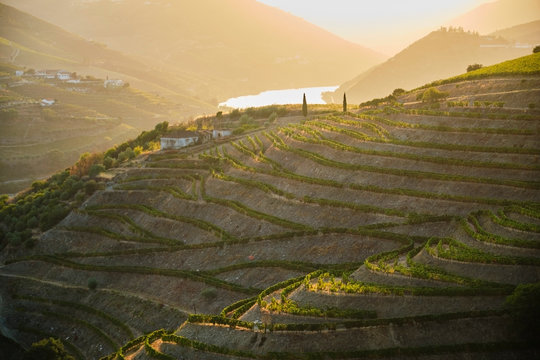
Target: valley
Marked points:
396	229
48	123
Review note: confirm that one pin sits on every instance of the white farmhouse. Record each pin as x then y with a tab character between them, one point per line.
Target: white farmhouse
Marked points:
179	139
46	74
217	134
63	75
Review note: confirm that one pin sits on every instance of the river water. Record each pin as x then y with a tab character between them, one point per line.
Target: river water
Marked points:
279	97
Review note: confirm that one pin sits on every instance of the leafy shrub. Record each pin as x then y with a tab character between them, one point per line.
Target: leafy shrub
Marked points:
90	187
47	349
109	162
235	114
375	102
474	67
92	284
266	111
127	154
246	119
162	127
433	94
82	167
397	92
14	238
80	196
52	216
245	127
33	222
95	170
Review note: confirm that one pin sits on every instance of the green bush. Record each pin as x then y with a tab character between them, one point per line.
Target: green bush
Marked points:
474	67
109	162
92	284
14	238
127	154
433	94
235	114
47	349
95	170
90	187
33	222
397	92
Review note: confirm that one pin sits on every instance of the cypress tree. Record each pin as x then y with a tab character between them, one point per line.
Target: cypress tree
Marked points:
304	106
344	103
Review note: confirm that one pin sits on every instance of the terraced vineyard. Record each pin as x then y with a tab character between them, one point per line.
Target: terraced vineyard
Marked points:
384	232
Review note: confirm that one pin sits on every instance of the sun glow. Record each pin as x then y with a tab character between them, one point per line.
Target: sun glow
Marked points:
385	25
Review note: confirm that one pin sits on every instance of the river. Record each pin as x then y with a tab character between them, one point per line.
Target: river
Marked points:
279	97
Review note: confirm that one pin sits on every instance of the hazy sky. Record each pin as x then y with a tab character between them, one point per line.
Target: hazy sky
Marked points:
387	26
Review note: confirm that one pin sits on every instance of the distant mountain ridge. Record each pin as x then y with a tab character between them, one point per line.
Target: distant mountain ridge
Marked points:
497	15
440	54
528	33
220	48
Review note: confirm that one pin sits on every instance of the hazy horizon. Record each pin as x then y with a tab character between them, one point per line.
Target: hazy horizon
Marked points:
386	26
254	179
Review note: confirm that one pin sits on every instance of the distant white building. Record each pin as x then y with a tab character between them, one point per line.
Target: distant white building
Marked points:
216	134
179	139
46	74
47	102
19	73
63	75
113	83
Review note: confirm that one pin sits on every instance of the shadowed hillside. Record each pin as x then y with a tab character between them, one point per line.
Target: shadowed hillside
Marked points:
227	47
390	231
